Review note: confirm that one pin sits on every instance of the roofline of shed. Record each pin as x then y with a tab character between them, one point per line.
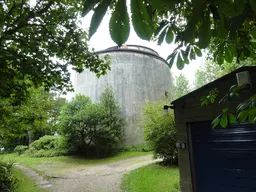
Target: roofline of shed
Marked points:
246	68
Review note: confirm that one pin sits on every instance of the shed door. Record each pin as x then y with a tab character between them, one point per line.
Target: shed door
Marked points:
224	158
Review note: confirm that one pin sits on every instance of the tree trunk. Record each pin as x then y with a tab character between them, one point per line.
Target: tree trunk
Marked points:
30	137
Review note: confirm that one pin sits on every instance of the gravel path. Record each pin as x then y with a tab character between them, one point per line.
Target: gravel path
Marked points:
101	178
39	180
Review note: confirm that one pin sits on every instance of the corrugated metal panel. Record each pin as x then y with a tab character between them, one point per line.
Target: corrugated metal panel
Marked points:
224	159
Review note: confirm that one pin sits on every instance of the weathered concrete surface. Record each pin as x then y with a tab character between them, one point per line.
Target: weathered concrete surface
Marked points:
135	78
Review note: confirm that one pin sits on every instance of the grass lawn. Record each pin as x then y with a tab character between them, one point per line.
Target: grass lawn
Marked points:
53	166
26	184
152	178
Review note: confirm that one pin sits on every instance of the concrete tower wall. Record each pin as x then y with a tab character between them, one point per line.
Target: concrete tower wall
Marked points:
136	76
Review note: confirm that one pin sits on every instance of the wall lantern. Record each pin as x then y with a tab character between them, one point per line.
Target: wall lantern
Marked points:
166	107
243	78
180	145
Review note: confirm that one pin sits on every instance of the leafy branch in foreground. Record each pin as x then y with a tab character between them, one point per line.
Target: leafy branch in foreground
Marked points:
226	27
245	111
38	42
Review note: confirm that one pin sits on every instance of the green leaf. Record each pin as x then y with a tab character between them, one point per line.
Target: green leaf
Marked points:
171	61
161	37
221	28
219	57
98	15
185	58
160	27
233	88
198	7
228	55
161	6
204	34
225	110
215	122
242	116
227	7
88	6
180	63
141	19
119	25
231	118
224	120
169	36
239	6
192	54
198	51
253	5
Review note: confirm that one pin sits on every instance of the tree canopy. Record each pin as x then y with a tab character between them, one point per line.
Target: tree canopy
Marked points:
35	117
181	86
38	41
227	25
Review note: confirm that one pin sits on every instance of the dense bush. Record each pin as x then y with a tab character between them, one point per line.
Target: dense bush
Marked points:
48	146
8	183
92	129
20	149
138	148
159	131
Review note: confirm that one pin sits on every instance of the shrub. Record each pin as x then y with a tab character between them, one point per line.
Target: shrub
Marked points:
138	148
159	132
20	149
8	183
48	146
92	129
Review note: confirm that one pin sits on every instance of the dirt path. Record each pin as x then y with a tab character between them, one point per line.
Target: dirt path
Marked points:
102	178
39	180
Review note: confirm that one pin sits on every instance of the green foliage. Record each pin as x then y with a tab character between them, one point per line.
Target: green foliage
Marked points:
211	71
119	23
38	41
8	182
227	27
20	149
35	117
181	86
210	98
246	111
99	13
141	19
207	73
139	148
153	177
92	129
48	146
159	131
